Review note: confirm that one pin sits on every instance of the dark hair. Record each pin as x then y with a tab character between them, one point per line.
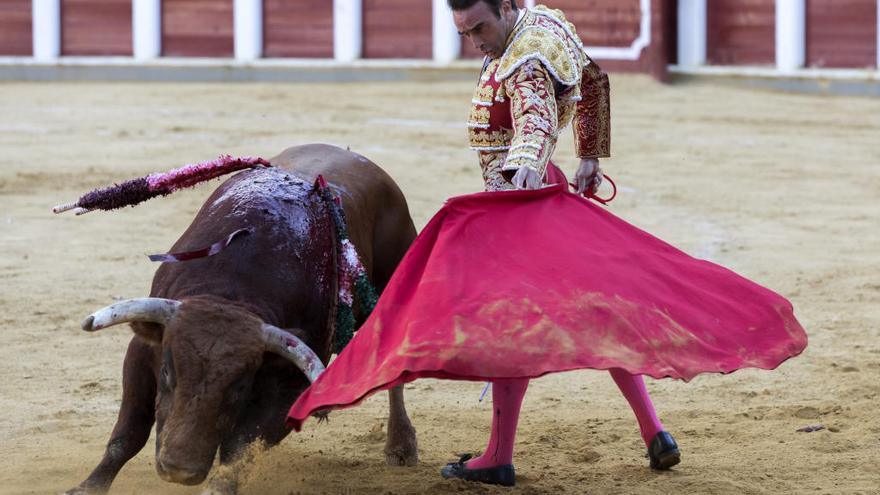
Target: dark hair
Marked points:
466	4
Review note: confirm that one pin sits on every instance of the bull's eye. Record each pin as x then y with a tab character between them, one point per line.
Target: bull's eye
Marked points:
166	375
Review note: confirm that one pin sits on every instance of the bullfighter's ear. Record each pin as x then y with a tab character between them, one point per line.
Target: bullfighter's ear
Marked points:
151	332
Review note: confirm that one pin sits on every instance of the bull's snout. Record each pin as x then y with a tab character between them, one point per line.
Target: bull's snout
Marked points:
175	474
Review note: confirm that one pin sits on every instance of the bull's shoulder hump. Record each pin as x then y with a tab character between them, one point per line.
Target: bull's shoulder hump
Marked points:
316	156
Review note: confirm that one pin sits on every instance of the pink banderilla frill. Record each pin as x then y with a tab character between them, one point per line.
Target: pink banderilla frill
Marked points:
135	191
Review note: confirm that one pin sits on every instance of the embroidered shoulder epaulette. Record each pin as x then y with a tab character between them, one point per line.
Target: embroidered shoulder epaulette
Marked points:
545	35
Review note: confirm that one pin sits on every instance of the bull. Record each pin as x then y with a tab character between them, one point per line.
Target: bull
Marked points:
225	344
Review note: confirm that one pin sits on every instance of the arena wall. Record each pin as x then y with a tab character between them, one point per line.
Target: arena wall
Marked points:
741	32
775	37
96	27
397	29
15	27
197	28
312	40
842	33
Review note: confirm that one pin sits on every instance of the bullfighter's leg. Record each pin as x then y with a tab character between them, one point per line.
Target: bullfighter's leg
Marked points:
662	449
507	397
136	418
495	466
401	447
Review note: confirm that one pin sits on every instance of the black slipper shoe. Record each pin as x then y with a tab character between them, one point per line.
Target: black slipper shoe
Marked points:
498	475
663	451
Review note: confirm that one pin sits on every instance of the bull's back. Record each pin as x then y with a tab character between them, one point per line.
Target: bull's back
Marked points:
278	265
379	221
364	187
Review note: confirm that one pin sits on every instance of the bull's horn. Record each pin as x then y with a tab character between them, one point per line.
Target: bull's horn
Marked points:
147	309
293	349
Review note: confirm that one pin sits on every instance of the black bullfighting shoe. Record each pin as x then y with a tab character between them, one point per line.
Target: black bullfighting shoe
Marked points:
663	451
498	475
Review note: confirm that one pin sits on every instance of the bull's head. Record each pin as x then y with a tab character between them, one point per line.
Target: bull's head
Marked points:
210	353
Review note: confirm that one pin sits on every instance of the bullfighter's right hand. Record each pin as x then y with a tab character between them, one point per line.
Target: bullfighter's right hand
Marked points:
526	178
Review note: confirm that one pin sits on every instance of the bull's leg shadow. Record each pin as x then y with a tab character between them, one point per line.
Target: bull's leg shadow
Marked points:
133	425
401	447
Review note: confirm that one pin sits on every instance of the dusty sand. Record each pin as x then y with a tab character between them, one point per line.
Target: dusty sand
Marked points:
784	189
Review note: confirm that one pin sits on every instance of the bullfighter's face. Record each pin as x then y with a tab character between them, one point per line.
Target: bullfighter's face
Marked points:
485	28
210	354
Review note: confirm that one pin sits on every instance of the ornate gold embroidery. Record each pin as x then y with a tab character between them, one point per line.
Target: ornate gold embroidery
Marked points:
488	125
567	103
479	117
484	94
544	35
491	163
535	120
491	140
592	122
543	82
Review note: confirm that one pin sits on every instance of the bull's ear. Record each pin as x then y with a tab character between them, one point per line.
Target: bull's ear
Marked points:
151	332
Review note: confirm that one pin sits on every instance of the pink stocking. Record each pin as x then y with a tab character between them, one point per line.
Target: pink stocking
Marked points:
507	397
633	388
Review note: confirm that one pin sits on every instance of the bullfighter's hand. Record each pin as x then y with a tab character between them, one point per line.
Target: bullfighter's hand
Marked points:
526	178
588	176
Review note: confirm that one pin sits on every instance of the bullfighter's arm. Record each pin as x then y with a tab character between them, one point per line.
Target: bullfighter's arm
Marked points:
592	119
535	122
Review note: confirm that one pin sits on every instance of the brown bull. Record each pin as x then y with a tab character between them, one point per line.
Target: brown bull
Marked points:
208	363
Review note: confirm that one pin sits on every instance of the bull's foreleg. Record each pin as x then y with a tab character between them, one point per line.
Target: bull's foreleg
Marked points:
260	426
226	478
401	448
136	418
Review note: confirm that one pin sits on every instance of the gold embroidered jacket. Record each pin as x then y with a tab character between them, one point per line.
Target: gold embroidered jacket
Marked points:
542	82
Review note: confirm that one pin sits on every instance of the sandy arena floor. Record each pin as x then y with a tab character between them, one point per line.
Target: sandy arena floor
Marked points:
784	189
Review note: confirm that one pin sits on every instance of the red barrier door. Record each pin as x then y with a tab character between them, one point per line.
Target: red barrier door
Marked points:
96	27
298	28
15	27
197	28
398	29
842	33
741	32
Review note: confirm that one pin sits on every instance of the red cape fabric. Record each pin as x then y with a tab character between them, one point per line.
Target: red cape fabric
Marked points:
518	284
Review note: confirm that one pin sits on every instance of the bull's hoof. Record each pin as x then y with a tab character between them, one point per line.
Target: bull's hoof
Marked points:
224	480
401	449
402	457
83	490
220	488
322	416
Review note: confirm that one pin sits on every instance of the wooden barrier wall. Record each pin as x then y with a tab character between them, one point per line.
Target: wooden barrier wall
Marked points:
96	27
298	28
741	32
839	33
197	28
616	23
15	27
842	33
397	29
598	22
602	22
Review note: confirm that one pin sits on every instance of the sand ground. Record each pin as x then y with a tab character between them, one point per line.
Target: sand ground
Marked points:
783	188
